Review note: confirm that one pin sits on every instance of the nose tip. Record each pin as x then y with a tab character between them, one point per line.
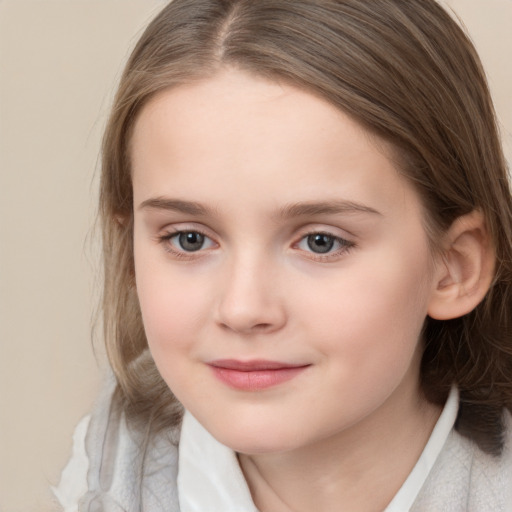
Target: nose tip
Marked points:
250	304
247	326
249	317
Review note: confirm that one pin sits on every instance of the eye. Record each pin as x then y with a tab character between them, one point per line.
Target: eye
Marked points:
188	241
323	243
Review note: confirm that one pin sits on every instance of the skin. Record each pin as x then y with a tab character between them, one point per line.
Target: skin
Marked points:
244	150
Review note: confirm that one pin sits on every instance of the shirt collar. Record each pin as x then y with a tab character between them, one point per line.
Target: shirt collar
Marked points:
408	493
210	478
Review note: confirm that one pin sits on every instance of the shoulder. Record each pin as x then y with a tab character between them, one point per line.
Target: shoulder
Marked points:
115	467
73	482
466	478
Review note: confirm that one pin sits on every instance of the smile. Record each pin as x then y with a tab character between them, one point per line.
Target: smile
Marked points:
254	375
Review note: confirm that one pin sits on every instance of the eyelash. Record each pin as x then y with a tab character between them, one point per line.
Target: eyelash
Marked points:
345	245
166	238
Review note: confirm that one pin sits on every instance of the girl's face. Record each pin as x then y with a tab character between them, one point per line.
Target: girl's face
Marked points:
281	264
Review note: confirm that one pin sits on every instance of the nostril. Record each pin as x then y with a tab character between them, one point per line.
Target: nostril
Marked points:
262	327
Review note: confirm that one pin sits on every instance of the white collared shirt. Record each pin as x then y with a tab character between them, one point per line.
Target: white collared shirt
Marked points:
210	478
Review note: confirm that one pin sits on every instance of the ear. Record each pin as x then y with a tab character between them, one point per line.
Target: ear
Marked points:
464	270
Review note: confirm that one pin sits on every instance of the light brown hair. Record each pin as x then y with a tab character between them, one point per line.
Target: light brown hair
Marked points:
404	70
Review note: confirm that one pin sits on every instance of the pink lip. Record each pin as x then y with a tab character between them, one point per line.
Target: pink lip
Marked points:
254	375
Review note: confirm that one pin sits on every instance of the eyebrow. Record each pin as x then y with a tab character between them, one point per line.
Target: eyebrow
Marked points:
325	208
299	209
175	205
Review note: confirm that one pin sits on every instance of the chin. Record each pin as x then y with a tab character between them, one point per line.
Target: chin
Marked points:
253	440
256	445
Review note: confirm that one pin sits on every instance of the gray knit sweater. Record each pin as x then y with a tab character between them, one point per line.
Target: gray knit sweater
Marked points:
463	478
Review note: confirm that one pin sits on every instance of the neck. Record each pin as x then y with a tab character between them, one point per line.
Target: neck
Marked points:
362	467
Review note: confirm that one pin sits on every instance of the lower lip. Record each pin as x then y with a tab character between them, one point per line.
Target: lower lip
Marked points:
256	380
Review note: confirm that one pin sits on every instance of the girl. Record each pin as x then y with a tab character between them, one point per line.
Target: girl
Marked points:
307	233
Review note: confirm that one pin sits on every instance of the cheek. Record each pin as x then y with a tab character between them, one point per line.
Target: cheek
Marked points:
372	315
172	316
172	307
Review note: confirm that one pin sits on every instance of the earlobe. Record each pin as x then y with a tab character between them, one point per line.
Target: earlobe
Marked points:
465	269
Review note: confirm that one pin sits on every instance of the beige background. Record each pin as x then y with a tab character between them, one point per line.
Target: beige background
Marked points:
59	62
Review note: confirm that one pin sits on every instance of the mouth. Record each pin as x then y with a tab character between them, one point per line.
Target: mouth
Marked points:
254	375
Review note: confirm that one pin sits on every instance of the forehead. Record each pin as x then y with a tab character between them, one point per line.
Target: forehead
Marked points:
240	134
244	106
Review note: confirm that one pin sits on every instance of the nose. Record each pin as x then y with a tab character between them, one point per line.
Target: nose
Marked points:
250	300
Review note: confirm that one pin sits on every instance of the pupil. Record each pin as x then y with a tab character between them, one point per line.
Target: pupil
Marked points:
191	241
320	243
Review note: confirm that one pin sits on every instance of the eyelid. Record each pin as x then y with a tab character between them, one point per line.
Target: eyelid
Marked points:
180	227
347	243
174	237
168	233
325	229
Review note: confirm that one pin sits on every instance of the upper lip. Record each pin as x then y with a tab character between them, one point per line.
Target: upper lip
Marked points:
253	365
